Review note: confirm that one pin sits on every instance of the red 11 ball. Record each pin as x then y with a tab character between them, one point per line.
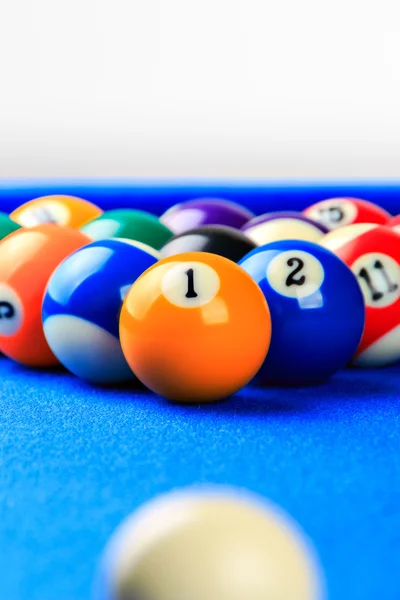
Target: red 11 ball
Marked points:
340	212
373	254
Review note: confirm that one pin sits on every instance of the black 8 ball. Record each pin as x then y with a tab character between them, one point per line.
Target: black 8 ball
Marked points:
215	239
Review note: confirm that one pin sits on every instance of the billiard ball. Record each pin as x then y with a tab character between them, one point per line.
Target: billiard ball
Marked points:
215	239
7	225
284	225
373	254
339	212
62	210
317	311
27	259
195	327
137	225
205	211
82	303
211	543
395	223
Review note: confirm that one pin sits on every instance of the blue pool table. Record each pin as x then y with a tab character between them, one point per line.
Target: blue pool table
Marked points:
76	459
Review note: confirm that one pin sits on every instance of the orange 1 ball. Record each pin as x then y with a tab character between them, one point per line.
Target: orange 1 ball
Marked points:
28	257
195	327
61	210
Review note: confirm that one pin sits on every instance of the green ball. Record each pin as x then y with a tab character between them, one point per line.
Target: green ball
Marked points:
7	225
131	224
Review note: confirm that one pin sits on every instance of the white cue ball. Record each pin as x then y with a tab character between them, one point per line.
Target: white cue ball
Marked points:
209	545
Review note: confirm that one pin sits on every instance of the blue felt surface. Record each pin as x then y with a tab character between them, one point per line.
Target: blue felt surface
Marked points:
75	460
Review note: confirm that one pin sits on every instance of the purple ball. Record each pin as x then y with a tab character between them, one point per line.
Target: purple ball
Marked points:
284	225
205	211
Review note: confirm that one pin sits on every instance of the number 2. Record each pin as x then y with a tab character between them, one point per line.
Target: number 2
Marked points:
291	279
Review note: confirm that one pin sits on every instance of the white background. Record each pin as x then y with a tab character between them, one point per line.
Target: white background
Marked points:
213	88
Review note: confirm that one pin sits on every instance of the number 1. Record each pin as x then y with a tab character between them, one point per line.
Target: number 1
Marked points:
191	293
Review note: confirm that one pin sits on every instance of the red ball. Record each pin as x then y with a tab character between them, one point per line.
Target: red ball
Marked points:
340	212
373	254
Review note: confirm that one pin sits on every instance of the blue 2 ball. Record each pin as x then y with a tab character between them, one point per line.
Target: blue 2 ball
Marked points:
317	311
82	304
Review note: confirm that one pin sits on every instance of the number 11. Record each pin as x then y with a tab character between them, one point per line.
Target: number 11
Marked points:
375	293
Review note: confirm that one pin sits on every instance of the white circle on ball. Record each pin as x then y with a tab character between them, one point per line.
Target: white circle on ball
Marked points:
333	213
11	311
190	284
44	212
278	229
379	277
295	274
